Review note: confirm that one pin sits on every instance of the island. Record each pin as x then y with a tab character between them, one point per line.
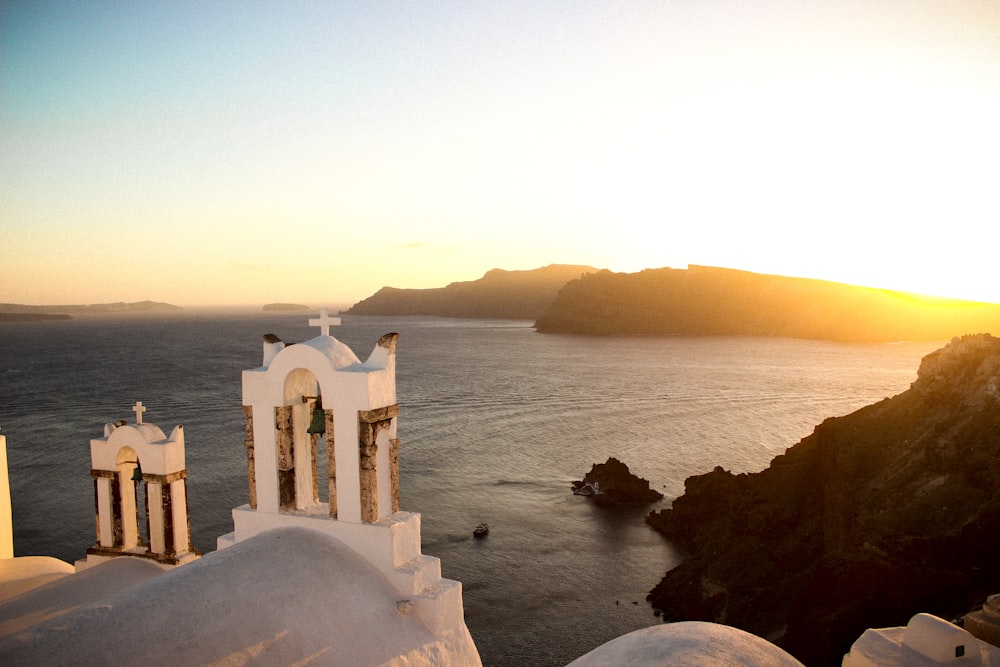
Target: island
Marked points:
33	317
877	515
499	294
23	312
285	307
701	300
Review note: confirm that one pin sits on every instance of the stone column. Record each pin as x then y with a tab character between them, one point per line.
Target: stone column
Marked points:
285	458
97	511
314	458
331	463
179	519
129	496
368	449
117	520
370	424
155	516
251	467
394	472
167	507
145	505
103	499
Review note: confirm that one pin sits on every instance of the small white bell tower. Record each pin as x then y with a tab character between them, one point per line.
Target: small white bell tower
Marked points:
139	473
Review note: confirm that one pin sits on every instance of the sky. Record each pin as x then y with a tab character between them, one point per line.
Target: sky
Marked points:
251	152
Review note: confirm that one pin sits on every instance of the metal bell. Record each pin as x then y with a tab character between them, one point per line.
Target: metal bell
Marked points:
137	473
318	424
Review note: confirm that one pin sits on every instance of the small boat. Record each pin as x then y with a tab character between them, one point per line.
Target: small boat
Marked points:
482	530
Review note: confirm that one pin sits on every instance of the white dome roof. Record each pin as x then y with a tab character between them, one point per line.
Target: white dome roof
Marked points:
687	644
287	596
339	354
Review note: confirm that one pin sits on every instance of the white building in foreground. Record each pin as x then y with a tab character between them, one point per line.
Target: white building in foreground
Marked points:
322	567
926	641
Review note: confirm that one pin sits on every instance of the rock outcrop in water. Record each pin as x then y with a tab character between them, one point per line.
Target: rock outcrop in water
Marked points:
877	515
612	483
710	301
516	295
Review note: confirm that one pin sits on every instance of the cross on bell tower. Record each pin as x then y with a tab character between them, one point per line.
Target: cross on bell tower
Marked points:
324	321
138	409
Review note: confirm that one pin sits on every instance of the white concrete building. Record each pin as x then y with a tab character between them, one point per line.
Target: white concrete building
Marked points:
925	641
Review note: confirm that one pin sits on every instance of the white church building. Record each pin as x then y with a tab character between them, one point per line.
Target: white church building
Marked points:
322	567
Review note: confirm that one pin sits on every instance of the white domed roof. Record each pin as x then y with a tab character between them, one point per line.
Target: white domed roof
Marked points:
287	596
339	354
687	644
150	432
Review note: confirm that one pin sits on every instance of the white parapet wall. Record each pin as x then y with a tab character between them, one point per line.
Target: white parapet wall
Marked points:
6	518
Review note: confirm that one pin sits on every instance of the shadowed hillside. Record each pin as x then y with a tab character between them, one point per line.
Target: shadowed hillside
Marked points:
515	295
886	512
714	301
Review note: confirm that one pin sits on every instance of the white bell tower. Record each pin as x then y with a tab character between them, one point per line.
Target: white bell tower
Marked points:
320	389
139	473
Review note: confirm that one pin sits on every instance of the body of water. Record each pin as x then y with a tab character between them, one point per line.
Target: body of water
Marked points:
496	421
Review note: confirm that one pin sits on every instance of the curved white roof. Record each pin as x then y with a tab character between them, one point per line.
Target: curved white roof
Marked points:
338	353
288	596
149	432
687	644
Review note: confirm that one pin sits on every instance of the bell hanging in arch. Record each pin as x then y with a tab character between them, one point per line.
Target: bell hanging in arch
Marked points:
318	424
137	473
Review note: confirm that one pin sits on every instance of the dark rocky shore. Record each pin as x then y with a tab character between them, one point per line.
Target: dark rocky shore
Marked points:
877	515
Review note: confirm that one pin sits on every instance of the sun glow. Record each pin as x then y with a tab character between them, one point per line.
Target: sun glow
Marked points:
843	141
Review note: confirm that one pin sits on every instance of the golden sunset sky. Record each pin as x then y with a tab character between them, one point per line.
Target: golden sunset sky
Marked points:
249	152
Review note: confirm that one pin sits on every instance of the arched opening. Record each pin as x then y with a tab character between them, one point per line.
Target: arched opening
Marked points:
130	521
318	444
302	442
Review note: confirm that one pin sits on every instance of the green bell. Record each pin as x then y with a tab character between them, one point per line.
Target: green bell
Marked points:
318	424
137	473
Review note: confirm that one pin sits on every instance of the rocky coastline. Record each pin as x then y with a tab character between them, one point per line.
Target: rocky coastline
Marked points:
886	512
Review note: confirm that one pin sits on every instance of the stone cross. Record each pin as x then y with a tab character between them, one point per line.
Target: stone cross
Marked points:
324	321
138	410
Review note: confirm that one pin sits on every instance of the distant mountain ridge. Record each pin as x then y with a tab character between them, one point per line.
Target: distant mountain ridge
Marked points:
89	309
499	294
715	301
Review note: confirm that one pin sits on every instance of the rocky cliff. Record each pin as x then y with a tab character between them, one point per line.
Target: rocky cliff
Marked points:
877	515
516	295
712	301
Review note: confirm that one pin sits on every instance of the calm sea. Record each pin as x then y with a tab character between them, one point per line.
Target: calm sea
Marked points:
496	422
